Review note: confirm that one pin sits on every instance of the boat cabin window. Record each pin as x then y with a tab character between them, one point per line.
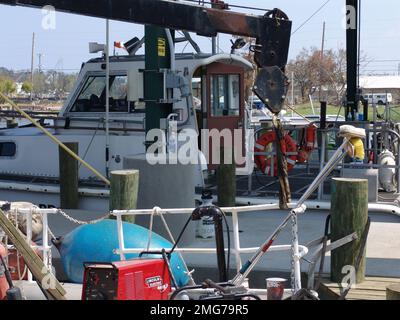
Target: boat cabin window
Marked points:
7	149
225	95
92	97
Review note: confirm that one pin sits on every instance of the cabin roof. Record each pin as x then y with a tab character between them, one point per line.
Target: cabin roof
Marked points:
178	56
203	58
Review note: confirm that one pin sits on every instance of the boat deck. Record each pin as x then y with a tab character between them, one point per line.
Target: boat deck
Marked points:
262	186
31	291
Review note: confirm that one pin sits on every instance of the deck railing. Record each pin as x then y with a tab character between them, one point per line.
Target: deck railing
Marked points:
237	249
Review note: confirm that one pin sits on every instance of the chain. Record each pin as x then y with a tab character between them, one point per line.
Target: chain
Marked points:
52	235
80	221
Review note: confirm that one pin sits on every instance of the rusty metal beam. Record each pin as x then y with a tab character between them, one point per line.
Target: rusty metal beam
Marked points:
272	33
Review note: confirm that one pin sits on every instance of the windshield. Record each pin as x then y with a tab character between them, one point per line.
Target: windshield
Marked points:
92	97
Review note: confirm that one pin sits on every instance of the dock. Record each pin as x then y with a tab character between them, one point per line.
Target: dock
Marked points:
373	288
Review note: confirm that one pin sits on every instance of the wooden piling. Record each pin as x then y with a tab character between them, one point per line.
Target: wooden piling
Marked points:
226	180
349	213
393	292
69	177
124	191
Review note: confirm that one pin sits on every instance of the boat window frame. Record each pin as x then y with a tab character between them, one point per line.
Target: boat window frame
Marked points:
16	150
78	91
227	90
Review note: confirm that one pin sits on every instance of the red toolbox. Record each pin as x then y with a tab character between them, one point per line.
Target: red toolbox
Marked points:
138	279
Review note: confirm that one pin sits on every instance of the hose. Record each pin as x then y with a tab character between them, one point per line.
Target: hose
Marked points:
229	244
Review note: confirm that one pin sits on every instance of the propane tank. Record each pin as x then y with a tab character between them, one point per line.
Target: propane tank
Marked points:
3	280
205	226
387	175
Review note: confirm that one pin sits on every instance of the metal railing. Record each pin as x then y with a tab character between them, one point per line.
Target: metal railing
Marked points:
235	211
45	248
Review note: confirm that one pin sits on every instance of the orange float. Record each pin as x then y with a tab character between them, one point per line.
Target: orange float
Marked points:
308	144
3	280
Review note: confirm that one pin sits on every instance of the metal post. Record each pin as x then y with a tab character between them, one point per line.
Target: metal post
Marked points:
398	170
321	63
375	133
236	240
322	162
32	64
107	124
45	242
292	92
322	159
352	59
365	111
121	237
250	183
296	271
29	238
214	45
220	247
323	145
157	57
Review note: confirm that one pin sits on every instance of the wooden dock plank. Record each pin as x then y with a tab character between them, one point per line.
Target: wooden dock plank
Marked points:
373	288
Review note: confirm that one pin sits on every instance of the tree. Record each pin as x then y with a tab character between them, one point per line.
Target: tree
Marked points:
27	87
305	72
338	76
7	85
314	71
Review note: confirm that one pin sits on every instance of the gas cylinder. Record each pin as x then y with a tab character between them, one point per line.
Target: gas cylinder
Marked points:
3	280
205	226
16	264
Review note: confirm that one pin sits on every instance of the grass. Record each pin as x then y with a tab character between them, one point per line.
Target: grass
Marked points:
305	109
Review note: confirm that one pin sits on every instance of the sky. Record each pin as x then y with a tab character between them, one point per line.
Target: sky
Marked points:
66	46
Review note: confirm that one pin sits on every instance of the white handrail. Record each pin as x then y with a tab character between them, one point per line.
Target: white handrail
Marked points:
237	249
45	248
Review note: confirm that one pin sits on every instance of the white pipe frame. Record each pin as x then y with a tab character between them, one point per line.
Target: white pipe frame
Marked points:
45	248
237	249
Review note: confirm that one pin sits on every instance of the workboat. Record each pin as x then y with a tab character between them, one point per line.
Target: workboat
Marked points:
29	161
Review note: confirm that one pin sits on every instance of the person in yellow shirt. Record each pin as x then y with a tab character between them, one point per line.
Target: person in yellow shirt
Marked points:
356	151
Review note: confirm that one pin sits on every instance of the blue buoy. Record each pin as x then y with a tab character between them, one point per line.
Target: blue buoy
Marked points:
96	242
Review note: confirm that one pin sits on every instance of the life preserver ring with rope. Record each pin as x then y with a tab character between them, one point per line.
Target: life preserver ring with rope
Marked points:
308	143
264	162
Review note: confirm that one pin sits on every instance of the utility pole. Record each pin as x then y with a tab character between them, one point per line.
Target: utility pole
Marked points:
40	62
322	61
32	64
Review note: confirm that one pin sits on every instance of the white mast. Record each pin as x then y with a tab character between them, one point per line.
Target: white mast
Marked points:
107	56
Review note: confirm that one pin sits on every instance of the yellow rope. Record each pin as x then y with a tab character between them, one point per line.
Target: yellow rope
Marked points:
52	137
298	113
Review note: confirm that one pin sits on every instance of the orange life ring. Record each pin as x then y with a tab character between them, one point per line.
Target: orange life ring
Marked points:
308	144
264	163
